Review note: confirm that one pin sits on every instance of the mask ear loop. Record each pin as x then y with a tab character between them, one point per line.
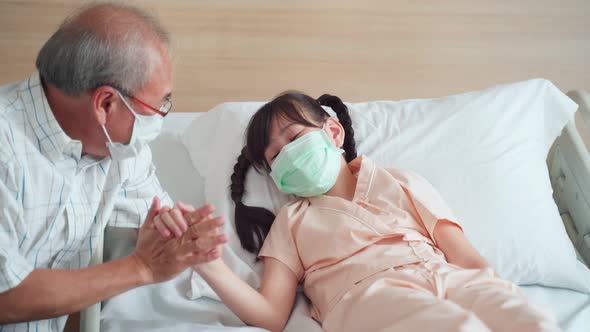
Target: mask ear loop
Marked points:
126	103
324	126
107	134
104	129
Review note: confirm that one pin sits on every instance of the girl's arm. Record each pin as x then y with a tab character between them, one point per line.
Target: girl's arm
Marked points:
269	307
457	249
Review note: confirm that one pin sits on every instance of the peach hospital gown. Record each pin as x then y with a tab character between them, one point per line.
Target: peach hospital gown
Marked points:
371	264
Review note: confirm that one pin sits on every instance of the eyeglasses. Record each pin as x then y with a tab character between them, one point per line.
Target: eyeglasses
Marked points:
164	108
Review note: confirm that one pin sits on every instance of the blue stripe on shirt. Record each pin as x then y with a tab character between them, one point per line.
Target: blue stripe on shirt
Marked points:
57	215
13	143
71	243
102	168
23	190
23	240
37	117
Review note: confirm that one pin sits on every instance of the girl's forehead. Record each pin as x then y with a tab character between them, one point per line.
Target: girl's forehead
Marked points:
280	122
280	127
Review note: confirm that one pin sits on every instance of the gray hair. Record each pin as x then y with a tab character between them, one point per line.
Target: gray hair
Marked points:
114	50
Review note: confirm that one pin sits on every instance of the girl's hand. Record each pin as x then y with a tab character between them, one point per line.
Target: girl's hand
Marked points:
183	216
173	221
160	219
211	231
457	249
158	259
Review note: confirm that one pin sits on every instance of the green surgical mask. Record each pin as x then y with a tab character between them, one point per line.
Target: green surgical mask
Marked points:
307	166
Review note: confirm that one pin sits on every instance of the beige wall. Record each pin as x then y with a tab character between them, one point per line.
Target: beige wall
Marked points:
360	50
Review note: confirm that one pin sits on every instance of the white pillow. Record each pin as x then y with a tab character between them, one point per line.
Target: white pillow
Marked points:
171	158
484	151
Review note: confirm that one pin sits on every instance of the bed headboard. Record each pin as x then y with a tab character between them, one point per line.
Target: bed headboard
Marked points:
238	50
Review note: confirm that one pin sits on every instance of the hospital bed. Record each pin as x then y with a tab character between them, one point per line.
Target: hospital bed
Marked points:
165	306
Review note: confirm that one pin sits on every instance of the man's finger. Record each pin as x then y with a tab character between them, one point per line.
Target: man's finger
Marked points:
154	208
202	245
163	209
179	219
199	214
170	224
204	227
160	227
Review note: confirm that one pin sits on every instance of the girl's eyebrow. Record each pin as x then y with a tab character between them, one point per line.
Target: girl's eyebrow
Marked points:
281	130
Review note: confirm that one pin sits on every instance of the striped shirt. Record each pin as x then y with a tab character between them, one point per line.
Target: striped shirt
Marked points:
54	201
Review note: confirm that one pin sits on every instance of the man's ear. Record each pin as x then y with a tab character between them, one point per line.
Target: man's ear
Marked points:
103	100
335	131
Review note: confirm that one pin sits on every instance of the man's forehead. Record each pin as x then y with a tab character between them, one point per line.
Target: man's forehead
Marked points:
160	82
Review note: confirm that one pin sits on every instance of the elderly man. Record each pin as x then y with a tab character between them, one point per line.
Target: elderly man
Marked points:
74	159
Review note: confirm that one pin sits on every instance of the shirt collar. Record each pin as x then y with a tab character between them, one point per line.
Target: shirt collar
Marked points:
51	139
364	169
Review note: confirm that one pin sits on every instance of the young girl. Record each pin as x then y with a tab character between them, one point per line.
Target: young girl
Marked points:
376	249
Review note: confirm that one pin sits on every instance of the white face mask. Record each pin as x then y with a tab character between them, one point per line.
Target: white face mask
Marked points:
145	129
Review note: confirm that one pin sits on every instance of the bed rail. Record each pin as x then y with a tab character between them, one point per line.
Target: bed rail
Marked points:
570	176
90	317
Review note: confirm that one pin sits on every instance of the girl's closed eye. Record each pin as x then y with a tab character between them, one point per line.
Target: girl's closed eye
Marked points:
291	140
297	136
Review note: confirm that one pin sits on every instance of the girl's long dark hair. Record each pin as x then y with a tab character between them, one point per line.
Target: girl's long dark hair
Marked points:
253	223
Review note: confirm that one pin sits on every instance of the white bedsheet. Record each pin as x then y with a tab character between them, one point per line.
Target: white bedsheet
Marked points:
165	307
571	308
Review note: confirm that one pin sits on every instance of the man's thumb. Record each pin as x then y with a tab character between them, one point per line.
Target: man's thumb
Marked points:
153	211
